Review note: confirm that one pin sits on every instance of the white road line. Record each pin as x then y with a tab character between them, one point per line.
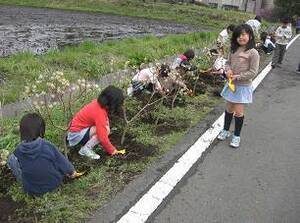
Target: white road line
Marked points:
149	202
292	41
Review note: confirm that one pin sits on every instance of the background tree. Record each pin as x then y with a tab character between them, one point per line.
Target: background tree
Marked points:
286	8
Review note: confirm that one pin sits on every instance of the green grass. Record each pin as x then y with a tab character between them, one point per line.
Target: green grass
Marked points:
92	60
74	201
183	13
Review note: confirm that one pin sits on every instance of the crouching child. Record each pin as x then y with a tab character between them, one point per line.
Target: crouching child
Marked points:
183	61
90	126
147	80
172	81
219	62
36	163
267	45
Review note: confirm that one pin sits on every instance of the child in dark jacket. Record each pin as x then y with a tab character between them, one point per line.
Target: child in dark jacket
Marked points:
37	163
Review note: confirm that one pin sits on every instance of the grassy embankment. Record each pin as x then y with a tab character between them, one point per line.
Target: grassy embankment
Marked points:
145	143
92	60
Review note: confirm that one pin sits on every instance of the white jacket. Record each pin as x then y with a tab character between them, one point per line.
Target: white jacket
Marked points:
282	35
223	37
148	75
267	42
255	25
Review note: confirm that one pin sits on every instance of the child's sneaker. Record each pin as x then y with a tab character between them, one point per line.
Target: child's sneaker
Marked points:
224	134
235	141
84	151
130	91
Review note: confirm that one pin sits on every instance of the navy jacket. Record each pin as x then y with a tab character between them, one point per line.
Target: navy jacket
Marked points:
43	166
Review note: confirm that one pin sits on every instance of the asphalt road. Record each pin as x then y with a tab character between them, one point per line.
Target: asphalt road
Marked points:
259	182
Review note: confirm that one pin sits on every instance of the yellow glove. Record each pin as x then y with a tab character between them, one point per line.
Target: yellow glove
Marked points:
121	152
79	174
231	85
230	81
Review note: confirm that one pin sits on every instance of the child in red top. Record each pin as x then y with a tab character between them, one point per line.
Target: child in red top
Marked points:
90	126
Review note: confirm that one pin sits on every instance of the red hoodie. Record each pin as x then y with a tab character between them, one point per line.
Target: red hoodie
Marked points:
183	57
90	115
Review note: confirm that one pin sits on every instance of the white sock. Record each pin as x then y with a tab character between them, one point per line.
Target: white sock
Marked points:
92	143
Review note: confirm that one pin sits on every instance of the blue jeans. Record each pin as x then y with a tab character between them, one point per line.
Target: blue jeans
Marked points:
14	165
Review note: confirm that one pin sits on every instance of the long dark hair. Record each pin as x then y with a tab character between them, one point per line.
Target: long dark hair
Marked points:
263	36
258	18
190	54
237	32
112	98
32	126
164	70
231	27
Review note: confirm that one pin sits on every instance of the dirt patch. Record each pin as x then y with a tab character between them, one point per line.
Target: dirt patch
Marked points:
8	207
38	30
209	83
6	179
80	163
165	128
205	82
134	149
213	80
8	212
198	87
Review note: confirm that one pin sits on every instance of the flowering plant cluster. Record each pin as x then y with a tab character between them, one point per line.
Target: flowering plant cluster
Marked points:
3	156
53	90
